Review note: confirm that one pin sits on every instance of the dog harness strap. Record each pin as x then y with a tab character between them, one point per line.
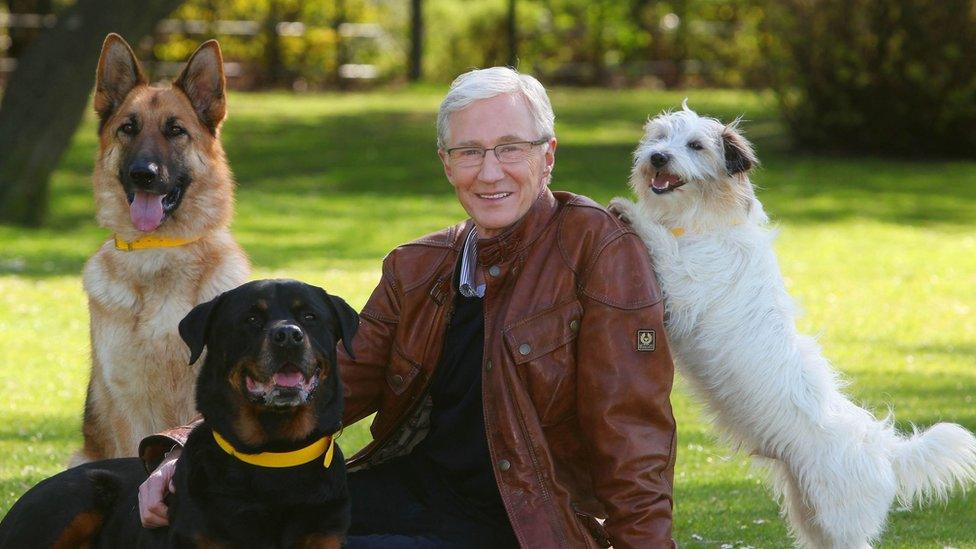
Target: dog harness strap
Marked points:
147	242
301	456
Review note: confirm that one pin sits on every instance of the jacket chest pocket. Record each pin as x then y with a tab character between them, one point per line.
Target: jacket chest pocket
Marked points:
543	348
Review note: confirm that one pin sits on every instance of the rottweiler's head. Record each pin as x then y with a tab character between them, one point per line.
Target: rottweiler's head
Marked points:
270	377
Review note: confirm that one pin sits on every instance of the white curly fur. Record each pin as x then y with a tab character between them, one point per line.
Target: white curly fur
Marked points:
836	469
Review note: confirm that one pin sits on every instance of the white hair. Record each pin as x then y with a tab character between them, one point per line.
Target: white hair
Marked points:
481	84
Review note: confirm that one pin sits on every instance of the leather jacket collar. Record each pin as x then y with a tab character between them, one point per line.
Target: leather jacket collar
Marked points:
504	247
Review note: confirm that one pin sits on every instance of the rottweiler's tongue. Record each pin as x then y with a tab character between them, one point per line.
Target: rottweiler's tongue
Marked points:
288	376
146	211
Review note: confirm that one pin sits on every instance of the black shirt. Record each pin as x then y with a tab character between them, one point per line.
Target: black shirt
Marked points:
455	451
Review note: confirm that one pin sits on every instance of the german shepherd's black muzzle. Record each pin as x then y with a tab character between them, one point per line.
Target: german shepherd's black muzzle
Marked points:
262	469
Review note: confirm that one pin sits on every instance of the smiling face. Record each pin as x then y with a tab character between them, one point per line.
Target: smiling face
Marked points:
690	165
496	194
160	167
271	371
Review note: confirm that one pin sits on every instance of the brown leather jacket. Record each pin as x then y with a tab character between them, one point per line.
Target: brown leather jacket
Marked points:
576	379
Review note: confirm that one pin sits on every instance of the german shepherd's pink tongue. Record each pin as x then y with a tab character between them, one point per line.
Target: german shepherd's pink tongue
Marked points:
146	211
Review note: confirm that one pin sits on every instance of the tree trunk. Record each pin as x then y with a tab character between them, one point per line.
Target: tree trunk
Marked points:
512	28
47	94
21	37
416	40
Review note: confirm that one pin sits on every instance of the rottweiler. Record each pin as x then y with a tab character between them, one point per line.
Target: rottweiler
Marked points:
261	470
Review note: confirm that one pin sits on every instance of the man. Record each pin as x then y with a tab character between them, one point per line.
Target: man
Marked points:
516	362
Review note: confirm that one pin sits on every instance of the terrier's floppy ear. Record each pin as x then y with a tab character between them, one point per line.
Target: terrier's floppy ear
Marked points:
195	327
739	156
203	83
117	74
348	319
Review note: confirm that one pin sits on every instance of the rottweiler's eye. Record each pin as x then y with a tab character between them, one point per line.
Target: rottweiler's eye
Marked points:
129	128
253	320
308	317
175	131
695	145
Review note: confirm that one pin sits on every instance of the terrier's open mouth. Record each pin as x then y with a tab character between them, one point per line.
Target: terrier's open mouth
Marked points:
286	387
664	182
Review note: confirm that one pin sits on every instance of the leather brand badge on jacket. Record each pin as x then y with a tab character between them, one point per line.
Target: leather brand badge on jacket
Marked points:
646	340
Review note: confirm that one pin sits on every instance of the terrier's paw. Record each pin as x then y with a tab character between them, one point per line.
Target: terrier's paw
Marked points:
623	209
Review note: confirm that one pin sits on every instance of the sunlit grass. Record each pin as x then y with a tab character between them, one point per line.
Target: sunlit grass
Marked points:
881	255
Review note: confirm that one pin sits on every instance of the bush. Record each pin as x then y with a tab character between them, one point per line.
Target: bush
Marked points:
891	77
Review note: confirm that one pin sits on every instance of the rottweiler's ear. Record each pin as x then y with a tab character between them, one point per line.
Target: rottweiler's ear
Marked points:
348	319
195	327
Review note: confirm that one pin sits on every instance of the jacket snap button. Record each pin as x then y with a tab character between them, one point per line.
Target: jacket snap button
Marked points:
397	380
525	349
488	365
574	325
504	465
494	270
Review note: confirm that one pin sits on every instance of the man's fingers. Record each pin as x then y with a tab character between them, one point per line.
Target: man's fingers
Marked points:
157	516
152	511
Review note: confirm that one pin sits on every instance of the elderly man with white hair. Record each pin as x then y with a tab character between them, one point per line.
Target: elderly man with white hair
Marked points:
516	363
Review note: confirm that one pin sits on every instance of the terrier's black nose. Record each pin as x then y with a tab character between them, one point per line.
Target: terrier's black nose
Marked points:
659	159
143	173
287	335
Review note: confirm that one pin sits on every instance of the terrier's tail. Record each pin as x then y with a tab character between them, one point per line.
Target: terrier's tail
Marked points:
930	464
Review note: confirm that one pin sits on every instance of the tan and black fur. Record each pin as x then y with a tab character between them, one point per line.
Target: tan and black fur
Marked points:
160	145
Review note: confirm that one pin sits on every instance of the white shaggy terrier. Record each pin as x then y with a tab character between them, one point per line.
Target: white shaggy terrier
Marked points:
836	468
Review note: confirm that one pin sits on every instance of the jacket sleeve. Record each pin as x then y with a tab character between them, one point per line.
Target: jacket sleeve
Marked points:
364	375
154	447
625	374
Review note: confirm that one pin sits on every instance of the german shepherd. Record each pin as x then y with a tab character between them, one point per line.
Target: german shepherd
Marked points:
162	185
261	470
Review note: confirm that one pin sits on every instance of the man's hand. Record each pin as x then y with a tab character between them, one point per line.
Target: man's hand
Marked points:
152	510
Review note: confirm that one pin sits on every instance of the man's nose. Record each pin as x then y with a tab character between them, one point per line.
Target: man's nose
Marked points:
491	168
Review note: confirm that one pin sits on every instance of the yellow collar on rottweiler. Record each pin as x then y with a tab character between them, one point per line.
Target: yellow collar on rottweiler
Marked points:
146	242
324	445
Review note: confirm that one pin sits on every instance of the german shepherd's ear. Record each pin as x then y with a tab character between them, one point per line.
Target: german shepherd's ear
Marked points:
202	80
739	156
118	72
348	319
195	327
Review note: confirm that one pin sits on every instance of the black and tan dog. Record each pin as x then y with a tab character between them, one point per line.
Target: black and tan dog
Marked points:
261	470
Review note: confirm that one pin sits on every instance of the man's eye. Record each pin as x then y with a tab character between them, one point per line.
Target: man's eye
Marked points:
469	152
502	149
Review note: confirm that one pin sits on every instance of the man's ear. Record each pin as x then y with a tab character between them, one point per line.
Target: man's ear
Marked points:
739	155
348	319
203	83
195	327
118	73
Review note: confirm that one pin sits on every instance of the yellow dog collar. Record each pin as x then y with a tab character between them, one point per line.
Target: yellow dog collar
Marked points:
324	445
146	242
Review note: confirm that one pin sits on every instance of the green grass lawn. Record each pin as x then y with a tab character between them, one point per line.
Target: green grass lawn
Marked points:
880	253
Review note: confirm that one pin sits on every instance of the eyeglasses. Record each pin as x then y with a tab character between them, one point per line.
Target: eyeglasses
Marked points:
507	153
